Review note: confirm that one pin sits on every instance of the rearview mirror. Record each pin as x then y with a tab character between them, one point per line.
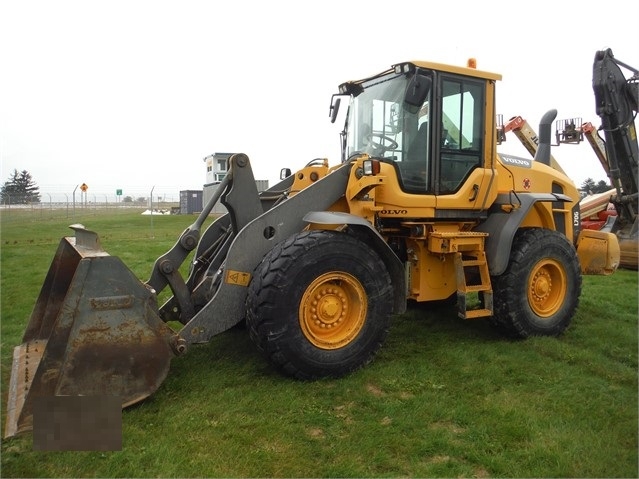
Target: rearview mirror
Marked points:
417	89
285	173
334	110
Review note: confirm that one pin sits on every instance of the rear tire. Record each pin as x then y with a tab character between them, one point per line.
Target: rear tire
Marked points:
320	305
539	292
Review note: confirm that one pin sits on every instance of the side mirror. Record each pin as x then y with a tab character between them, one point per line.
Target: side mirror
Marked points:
285	173
417	89
334	110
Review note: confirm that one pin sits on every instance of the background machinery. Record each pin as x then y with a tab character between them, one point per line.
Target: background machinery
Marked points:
616	100
421	208
527	137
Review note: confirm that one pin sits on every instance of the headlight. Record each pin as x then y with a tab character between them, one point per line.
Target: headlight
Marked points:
371	167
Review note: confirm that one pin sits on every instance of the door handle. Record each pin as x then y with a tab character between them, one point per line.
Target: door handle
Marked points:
474	193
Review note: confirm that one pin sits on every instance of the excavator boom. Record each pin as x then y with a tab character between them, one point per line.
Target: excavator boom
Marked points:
617	99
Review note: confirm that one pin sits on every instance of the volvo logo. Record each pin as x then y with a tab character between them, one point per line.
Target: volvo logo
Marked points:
393	212
515	161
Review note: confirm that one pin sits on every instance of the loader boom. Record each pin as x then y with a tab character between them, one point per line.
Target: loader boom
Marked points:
224	289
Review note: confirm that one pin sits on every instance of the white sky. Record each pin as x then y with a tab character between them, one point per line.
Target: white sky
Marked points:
134	94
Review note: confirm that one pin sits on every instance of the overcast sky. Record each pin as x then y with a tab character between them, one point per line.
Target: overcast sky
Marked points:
133	95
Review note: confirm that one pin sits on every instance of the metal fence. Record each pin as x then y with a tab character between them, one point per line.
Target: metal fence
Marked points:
57	202
75	196
75	212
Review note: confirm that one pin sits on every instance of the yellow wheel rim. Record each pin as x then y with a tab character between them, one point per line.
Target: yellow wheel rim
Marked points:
333	310
547	285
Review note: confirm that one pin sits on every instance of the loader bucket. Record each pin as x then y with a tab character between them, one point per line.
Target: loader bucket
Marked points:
94	331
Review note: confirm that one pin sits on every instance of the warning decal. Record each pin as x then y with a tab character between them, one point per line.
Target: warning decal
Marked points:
238	277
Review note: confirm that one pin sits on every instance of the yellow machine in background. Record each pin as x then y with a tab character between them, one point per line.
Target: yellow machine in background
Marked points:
420	208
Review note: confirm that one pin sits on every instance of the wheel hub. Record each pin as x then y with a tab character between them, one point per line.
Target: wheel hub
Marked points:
542	285
547	288
329	308
333	310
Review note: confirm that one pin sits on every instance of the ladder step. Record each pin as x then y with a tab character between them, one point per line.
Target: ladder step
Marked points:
475	313
473	262
483	290
485	309
478	287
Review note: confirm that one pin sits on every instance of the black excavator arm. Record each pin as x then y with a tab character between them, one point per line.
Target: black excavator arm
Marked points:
616	99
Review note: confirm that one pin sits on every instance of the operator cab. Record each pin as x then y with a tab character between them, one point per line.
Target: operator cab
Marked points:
428	123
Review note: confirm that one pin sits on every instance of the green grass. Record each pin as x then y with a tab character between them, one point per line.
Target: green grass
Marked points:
444	398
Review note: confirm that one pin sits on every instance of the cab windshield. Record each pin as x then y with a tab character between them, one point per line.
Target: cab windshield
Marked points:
388	120
379	123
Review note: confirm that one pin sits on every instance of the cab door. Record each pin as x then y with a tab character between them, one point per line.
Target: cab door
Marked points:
460	177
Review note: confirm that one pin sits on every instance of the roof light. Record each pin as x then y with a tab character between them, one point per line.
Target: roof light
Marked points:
472	63
404	68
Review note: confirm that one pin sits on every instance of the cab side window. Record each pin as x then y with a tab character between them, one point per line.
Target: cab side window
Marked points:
461	131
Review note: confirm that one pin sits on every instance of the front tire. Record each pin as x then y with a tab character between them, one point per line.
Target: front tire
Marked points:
539	292
320	304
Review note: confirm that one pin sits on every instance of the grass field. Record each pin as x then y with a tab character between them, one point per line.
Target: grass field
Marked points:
444	398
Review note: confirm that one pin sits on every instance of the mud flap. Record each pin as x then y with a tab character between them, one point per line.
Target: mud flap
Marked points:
94	331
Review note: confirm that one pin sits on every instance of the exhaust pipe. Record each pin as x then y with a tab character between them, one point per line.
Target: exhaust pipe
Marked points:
542	154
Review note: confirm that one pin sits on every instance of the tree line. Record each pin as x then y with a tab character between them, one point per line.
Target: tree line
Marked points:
20	189
590	187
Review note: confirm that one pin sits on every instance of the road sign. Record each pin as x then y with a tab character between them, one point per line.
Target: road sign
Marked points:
84	187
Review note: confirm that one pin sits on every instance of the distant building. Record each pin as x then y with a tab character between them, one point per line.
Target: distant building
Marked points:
217	166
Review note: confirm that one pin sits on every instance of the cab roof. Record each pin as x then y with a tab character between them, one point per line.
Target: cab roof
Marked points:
455	69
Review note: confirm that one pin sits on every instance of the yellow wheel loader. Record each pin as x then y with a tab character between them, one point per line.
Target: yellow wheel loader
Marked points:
420	208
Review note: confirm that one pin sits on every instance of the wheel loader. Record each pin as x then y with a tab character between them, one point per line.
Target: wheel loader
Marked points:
420	208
